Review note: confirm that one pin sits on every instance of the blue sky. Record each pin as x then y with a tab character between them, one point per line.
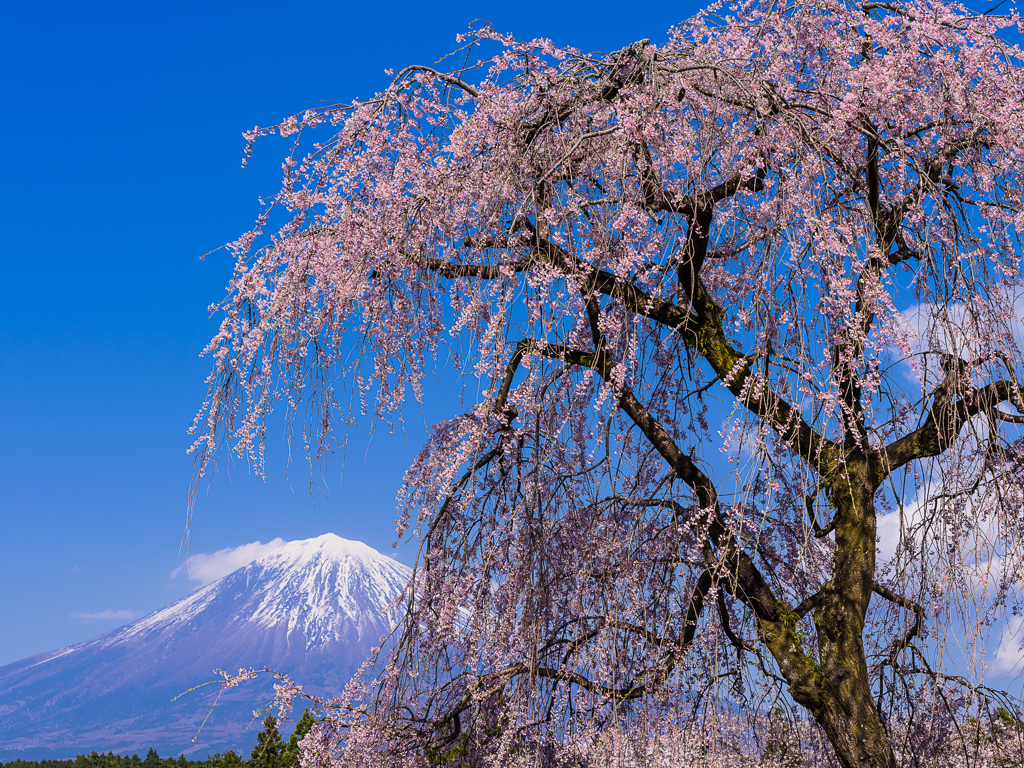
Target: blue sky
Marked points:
123	127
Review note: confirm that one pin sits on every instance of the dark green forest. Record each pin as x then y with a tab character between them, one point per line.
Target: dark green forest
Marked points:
270	751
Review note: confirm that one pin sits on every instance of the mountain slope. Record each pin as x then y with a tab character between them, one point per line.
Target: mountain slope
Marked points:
312	609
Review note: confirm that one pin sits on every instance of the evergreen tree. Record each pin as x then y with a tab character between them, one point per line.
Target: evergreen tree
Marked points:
269	746
152	760
229	759
290	757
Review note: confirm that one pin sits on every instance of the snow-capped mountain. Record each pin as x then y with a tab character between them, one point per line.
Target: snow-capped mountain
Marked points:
312	609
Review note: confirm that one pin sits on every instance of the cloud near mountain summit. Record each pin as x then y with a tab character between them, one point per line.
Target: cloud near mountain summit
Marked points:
206	568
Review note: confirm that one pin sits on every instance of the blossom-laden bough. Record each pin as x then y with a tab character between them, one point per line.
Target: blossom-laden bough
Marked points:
612	244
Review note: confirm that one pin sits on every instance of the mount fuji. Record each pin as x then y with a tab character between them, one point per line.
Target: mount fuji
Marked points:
312	609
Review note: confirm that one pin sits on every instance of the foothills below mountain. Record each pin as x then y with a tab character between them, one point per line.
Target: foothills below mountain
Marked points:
312	609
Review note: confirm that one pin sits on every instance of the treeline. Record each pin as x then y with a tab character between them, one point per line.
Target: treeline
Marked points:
271	751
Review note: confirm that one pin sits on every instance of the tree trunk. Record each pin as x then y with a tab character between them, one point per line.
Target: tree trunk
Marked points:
848	712
838	693
848	715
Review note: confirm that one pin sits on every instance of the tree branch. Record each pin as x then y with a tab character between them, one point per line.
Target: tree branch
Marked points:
901	644
751	586
450	79
723	612
946	418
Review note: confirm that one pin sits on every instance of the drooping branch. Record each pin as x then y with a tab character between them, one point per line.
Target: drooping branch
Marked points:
622	72
820	531
913	631
702	321
723	613
452	270
501	399
483	686
750	585
653	676
762	401
848	351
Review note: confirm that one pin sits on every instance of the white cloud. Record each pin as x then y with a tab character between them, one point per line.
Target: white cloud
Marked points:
1008	655
206	568
935	328
888	530
895	528
106	615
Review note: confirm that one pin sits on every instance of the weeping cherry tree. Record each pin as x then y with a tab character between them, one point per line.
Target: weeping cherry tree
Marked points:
724	302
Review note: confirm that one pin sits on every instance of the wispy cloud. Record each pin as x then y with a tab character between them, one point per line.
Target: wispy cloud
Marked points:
106	615
206	568
1009	654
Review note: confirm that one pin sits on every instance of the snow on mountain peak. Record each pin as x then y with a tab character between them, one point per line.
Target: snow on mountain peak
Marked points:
328	545
317	585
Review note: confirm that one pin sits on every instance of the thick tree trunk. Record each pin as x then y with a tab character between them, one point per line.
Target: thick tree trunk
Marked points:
847	710
838	692
847	713
851	723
